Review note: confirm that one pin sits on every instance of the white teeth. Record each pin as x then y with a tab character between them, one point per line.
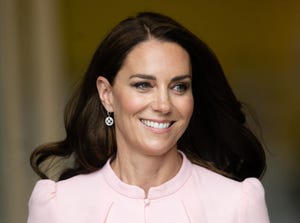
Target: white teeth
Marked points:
157	125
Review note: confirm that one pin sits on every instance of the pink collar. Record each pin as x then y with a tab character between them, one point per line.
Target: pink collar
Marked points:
165	189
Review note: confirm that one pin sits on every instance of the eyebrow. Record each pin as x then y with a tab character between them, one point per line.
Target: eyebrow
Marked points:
150	77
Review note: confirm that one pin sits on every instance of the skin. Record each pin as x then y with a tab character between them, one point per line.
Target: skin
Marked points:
152	103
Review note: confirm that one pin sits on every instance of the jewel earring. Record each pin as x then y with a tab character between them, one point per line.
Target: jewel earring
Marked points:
109	121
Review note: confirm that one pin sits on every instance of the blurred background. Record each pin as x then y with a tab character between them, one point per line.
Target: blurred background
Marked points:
46	45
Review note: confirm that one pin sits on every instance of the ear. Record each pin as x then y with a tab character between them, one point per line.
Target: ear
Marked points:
105	93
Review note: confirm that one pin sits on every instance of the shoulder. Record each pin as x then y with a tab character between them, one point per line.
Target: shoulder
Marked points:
214	181
42	203
244	200
253	201
54	201
224	186
252	188
43	192
88	183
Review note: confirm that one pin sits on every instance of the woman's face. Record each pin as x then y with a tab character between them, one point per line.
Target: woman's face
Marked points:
152	98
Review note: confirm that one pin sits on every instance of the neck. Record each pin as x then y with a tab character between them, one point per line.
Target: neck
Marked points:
146	171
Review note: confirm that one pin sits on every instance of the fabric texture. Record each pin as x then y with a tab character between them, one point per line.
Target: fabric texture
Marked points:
195	194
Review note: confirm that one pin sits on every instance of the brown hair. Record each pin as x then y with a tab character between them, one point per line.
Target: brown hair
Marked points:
216	136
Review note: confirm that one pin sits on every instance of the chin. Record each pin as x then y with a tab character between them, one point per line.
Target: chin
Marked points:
158	149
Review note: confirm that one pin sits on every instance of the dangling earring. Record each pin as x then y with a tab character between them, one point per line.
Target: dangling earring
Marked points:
109	121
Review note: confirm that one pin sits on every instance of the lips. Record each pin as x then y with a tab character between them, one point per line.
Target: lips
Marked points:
156	125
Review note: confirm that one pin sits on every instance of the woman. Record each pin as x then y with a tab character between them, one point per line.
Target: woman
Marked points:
155	134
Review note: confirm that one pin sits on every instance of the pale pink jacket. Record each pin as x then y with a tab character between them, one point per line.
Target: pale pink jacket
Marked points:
195	194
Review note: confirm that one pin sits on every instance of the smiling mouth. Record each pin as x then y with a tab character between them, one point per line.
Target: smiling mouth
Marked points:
156	125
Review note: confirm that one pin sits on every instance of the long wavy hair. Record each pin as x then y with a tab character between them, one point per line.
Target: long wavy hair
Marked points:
217	136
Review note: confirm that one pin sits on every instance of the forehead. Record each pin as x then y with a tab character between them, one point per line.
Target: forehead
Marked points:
154	56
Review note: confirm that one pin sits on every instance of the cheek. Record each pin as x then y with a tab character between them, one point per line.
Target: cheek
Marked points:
186	107
127	103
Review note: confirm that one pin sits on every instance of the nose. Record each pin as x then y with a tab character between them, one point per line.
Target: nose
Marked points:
162	102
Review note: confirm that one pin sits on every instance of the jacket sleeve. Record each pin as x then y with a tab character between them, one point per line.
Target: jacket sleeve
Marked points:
42	203
254	207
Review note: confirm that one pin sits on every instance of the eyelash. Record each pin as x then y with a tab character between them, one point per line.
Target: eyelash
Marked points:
184	87
143	86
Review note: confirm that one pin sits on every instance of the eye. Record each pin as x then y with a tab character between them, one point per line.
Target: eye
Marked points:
142	85
181	87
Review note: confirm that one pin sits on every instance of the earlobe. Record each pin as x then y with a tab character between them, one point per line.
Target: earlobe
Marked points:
105	93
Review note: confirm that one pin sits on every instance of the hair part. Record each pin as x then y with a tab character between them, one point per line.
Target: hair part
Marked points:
216	138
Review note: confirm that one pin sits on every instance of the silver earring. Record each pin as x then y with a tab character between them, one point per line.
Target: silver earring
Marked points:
109	121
